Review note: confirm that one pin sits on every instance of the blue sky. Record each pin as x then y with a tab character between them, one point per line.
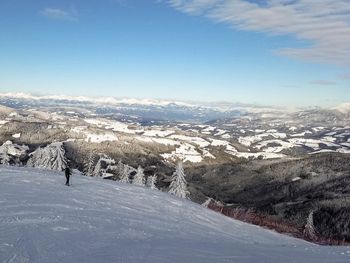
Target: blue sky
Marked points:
278	52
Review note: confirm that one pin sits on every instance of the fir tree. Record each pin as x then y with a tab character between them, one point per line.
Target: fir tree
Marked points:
178	186
98	168
124	176
58	161
89	165
151	182
139	178
309	229
120	168
49	157
5	158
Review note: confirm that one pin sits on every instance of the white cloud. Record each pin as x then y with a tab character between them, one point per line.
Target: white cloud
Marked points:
60	14
324	24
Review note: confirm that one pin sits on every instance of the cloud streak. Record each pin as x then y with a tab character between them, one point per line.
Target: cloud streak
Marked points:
324	24
323	82
59	14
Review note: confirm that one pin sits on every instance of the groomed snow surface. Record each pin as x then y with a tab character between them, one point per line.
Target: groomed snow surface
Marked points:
95	220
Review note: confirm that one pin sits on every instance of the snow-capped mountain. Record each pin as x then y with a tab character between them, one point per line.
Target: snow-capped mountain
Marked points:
95	220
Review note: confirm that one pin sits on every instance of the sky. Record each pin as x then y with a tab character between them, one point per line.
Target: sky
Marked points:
272	52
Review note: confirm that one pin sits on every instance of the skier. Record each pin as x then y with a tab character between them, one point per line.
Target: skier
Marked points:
68	173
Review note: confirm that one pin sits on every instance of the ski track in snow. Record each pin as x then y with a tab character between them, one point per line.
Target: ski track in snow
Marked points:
96	220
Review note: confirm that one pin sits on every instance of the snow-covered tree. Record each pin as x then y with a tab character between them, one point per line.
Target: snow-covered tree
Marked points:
50	157
178	186
309	229
151	182
139	178
58	160
124	176
11	153
4	157
119	168
89	165
98	168
103	164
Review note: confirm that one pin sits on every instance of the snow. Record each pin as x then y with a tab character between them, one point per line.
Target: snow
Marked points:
296	179
159	133
312	143
98	100
97	220
249	140
185	152
302	134
2	122
164	141
101	137
196	140
220	132
226	136
343	108
113	125
215	142
16	135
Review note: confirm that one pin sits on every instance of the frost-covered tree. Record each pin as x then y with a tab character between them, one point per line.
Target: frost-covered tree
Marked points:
89	165
309	229
58	160
151	182
124	176
178	186
4	157
103	164
139	178
11	153
98	168
50	157
119	168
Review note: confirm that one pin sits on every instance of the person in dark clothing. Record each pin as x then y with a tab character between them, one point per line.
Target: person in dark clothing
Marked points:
68	173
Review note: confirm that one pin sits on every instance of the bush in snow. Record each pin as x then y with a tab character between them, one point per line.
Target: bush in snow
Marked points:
139	178
178	186
207	202
50	157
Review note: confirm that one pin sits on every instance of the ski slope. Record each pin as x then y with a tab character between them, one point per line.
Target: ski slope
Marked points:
96	220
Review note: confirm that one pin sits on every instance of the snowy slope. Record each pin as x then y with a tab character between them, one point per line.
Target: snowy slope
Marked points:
95	220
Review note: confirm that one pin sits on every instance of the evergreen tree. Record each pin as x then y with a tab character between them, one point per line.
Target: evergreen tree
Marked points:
309	229
139	178
5	158
89	165
124	176
178	186
50	157
58	161
151	182
98	171
120	168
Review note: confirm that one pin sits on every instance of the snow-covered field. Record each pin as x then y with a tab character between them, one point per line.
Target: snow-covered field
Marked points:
95	220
